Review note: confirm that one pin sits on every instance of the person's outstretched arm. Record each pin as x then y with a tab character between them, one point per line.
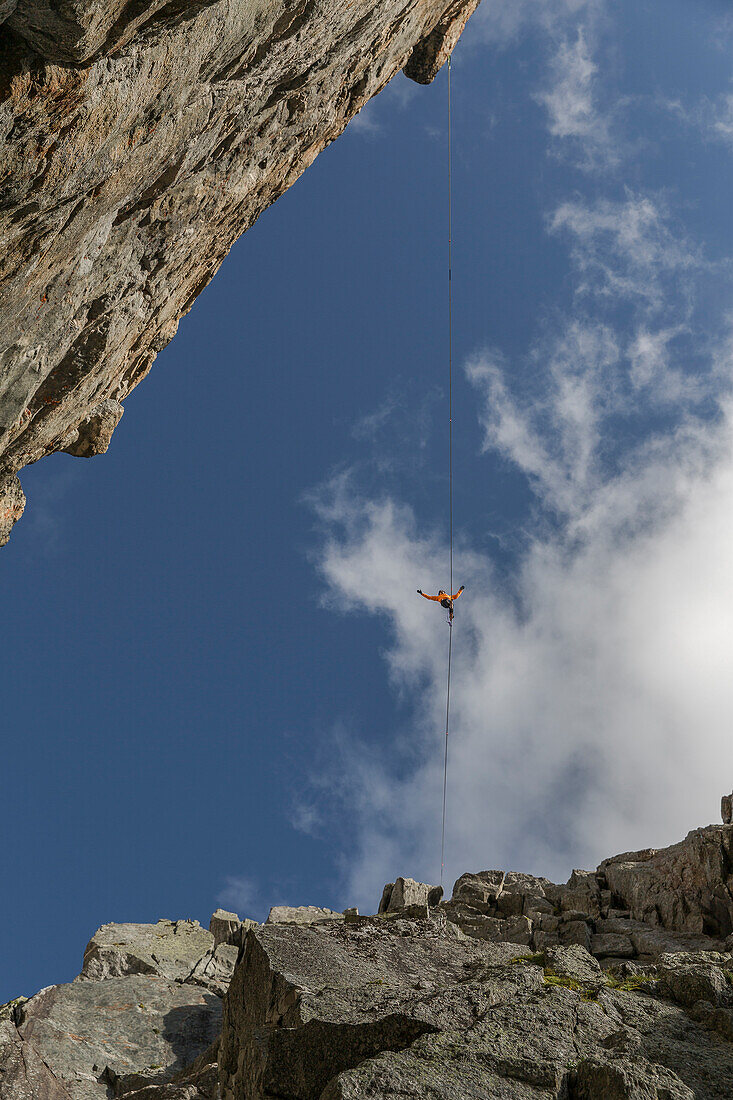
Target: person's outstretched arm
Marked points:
458	592
425	596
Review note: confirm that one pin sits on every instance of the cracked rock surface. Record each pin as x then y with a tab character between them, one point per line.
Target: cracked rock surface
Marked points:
138	142
386	1008
515	988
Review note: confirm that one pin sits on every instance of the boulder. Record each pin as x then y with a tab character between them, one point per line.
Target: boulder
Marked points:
301	914
227	928
170	949
406	892
726	808
611	943
575	932
683	888
581	894
573	962
626	1080
479	890
688	978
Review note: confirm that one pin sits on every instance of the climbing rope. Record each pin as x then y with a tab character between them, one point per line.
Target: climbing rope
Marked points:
450	458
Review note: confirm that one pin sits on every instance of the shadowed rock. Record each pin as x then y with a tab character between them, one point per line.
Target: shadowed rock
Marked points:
90	1033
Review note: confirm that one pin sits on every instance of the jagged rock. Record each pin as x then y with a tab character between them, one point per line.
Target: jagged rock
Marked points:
214	969
23	1073
129	1024
581	894
684	888
573	962
301	914
349	1011
170	949
199	1081
575	931
406	892
93	435
656	941
139	141
611	943
594	1080
224	926
433	51
517	930
479	890
10	1009
542	940
228	928
455	1002
12	503
688	978
726	808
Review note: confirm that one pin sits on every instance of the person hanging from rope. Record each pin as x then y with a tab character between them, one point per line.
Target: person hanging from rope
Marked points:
443	599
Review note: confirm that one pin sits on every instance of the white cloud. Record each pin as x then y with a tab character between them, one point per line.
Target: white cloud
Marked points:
500	22
625	249
591	705
590	697
711	117
569	100
577	392
305	818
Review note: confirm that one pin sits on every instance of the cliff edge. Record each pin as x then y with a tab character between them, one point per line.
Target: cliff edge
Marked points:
138	142
617	985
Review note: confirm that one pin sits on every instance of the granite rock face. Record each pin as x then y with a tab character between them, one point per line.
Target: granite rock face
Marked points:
387	1008
634	906
142	1020
139	141
617	985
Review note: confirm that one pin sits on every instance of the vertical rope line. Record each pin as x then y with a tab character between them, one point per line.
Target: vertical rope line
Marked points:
450	326
445	760
450	457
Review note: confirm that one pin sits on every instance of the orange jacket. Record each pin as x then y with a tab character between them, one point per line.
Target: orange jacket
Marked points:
443	596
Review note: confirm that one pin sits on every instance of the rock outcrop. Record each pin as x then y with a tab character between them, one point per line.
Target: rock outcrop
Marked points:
142	1020
139	141
617	985
636	905
404	1008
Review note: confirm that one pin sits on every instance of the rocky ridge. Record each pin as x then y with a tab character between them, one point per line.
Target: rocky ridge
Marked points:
617	985
138	142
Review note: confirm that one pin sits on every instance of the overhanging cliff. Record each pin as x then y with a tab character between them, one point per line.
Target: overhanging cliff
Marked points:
139	140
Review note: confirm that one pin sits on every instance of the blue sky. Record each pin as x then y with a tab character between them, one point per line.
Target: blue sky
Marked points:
219	684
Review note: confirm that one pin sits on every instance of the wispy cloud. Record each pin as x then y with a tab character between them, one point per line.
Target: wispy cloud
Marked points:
584	688
583	696
501	22
243	896
625	249
570	99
